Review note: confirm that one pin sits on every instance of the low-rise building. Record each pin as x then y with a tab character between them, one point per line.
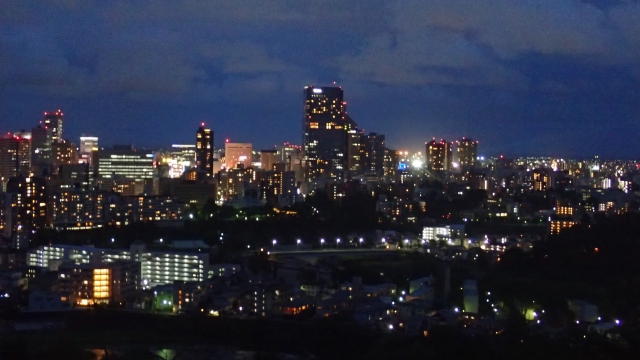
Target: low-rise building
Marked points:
93	284
157	266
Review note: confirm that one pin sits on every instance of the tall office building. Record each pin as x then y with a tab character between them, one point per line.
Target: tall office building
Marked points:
354	152
15	156
286	150
123	161
53	120
268	158
439	155
372	154
88	145
237	153
467	153
41	149
326	128
204	150
180	158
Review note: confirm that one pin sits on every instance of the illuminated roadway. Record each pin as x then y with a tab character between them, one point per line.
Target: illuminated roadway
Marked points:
332	251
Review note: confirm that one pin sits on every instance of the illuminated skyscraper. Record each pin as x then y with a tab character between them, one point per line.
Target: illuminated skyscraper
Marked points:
204	150
41	149
53	121
25	209
326	127
439	155
15	156
64	153
237	153
354	153
372	154
467	153
123	161
268	158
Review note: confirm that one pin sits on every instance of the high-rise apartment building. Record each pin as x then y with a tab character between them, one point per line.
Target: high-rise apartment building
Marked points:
439	156
54	120
467	153
354	152
326	127
204	150
15	156
64	153
372	154
25	209
391	162
238	153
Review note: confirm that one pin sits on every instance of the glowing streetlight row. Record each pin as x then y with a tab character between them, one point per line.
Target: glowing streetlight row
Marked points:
274	242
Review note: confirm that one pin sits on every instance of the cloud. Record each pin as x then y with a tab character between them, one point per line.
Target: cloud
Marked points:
471	43
242	57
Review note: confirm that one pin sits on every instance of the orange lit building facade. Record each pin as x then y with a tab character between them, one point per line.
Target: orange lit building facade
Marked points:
95	284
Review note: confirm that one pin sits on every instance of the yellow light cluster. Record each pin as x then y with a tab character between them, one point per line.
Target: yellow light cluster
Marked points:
101	279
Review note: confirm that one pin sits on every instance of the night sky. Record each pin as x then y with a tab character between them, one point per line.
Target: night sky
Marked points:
524	77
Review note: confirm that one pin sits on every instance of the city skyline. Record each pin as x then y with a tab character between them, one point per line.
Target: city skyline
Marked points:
563	82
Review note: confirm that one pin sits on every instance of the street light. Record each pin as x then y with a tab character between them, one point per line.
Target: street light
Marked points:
274	244
321	243
337	242
361	241
298	244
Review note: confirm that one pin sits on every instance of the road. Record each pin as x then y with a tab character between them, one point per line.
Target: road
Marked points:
332	252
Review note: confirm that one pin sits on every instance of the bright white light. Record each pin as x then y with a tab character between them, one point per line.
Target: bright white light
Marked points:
617	322
456	310
455	165
390	326
317	91
417	163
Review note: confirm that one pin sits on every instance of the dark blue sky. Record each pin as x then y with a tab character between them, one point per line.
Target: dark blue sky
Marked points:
525	77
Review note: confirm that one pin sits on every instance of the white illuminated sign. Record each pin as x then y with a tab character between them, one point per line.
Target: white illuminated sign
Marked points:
317	91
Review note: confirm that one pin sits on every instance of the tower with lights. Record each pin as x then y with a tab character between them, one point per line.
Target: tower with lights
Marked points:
204	150
326	129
